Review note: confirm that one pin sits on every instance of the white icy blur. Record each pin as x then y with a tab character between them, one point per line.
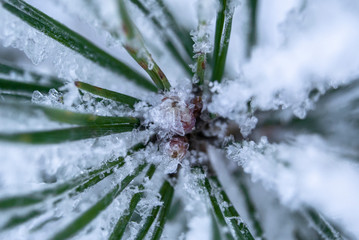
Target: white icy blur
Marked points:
308	171
302	45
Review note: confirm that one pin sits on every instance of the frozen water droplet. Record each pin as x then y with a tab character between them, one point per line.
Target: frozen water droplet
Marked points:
150	65
37	97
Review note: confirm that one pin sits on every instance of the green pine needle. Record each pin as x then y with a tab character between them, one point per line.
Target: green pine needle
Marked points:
217	210
135	47
115	96
252	34
66	134
164	212
240	229
19	87
85	119
171	46
251	209
221	41
20	219
323	227
8	69
66	116
225	214
181	33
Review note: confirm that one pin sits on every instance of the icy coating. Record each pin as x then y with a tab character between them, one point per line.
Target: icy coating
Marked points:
304	50
172	115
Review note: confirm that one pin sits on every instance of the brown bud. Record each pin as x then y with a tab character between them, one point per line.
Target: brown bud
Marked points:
177	147
183	114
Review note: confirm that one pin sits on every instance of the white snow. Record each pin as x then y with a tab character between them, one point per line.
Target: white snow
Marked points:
308	171
301	47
